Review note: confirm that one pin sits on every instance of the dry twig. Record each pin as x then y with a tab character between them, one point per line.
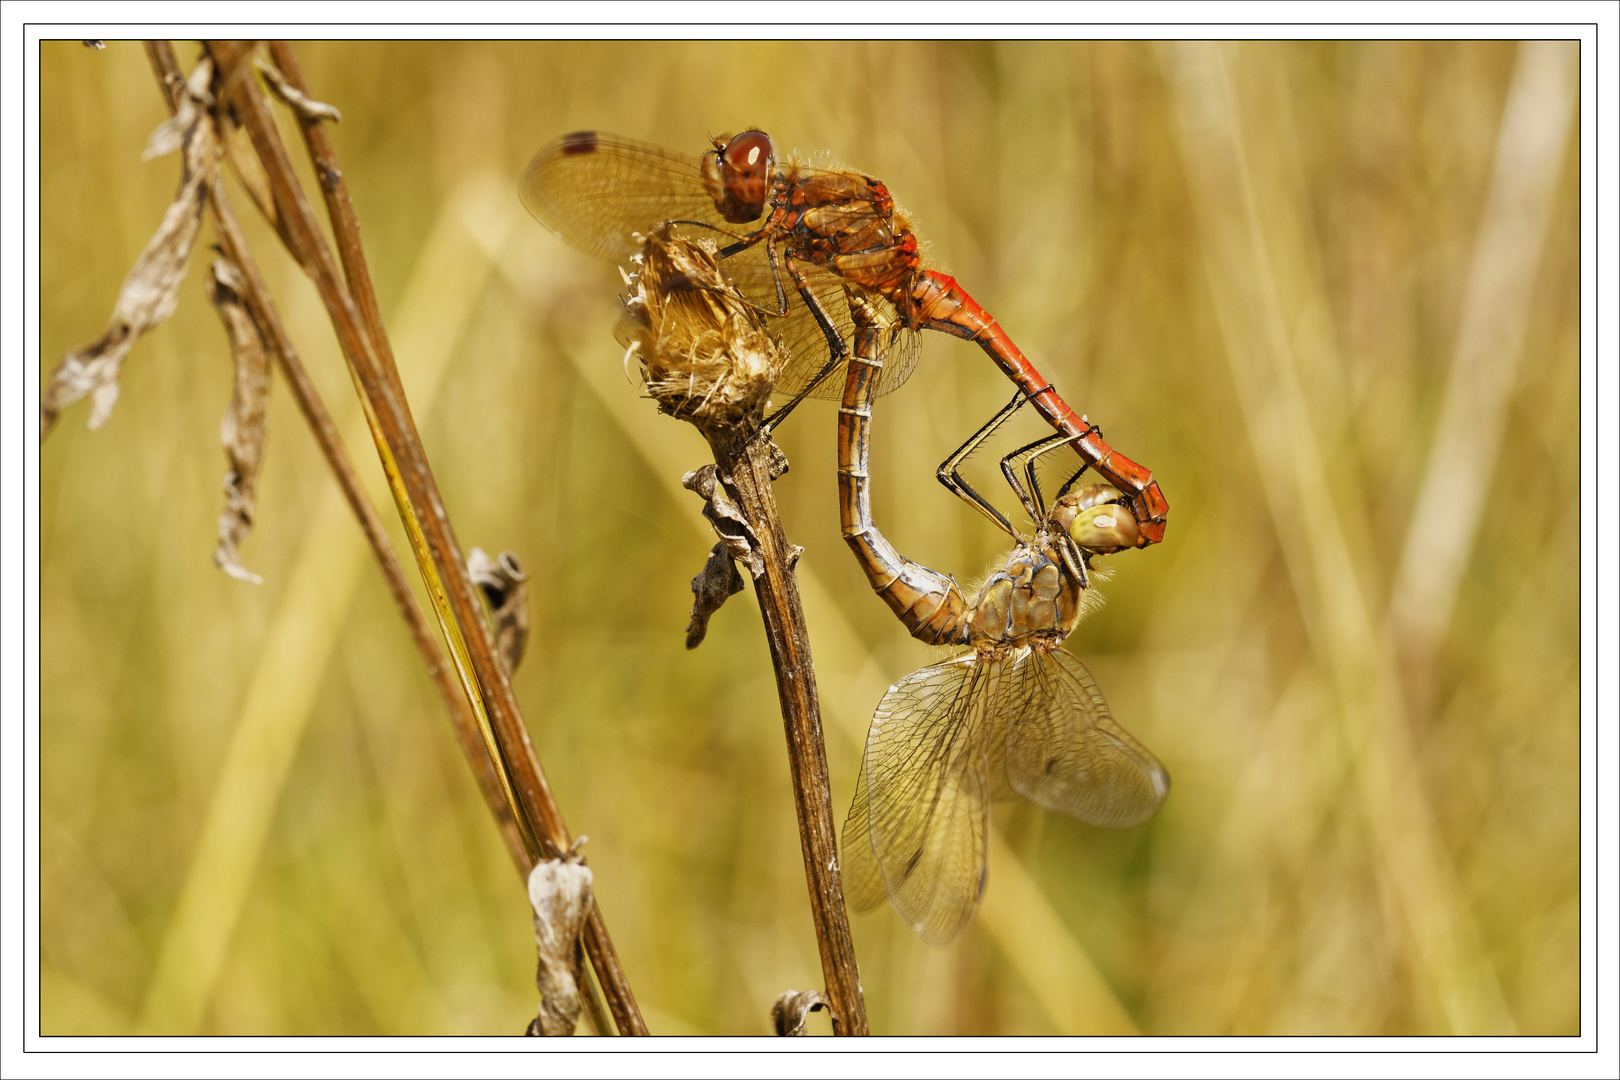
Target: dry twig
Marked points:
351	305
268	321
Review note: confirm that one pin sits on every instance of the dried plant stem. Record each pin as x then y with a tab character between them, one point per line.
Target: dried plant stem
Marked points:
364	345
167	69
747	474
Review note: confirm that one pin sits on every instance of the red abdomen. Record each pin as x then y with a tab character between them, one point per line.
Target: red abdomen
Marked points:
934	301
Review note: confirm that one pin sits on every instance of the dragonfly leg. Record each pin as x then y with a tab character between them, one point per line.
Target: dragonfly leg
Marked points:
1030	495
838	351
1073	559
949	471
743	243
1091	429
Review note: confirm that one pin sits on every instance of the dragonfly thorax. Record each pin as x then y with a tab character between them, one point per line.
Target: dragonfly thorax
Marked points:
1033	595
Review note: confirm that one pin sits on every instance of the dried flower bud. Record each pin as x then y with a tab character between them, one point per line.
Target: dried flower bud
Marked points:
704	351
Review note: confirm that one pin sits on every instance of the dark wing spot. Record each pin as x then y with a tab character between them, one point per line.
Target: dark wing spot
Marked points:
911	864
984	879
579	142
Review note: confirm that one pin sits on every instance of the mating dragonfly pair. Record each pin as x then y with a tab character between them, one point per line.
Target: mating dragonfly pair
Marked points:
824	254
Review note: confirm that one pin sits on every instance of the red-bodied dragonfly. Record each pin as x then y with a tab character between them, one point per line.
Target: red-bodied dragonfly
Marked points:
1015	715
814	232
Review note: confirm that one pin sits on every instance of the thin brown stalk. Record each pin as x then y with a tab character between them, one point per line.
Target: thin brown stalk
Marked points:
164	65
778	593
364	345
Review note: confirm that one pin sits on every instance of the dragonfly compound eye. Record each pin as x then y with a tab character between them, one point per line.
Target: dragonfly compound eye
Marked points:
747	164
1104	528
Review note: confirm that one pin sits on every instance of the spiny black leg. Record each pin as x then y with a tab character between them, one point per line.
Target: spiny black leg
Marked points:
1031	496
949	474
838	351
1070	482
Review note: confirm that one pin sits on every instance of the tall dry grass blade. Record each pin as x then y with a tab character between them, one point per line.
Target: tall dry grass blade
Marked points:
1412	864
160	56
351	304
1537	123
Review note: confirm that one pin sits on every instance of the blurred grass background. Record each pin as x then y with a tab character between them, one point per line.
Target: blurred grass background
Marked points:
1312	286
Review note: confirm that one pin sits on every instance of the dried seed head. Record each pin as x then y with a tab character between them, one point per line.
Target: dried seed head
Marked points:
704	351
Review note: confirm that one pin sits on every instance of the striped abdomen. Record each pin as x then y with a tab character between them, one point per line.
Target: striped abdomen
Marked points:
926	601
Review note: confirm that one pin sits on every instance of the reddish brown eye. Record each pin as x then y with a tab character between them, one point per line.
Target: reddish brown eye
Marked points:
748	163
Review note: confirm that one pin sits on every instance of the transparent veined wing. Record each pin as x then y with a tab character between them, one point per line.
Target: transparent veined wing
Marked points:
1064	750
857	865
919	823
597	191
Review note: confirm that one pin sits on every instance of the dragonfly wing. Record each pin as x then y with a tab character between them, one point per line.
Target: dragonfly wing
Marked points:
863	881
901	362
597	191
801	334
918	826
1065	752
803	337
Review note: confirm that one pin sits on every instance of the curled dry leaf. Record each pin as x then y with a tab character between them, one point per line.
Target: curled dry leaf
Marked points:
716	583
793	1008
560	893
295	99
152	289
505	585
704	351
726	517
243	429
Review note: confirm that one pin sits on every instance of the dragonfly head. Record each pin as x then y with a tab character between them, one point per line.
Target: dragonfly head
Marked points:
738	173
1097	519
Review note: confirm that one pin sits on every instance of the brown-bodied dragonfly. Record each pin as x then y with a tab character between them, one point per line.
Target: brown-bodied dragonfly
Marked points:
793	239
1015	715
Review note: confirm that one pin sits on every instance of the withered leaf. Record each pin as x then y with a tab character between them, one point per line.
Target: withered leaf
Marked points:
793	1008
716	583
726	517
243	429
152	289
776	462
560	893
505	585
